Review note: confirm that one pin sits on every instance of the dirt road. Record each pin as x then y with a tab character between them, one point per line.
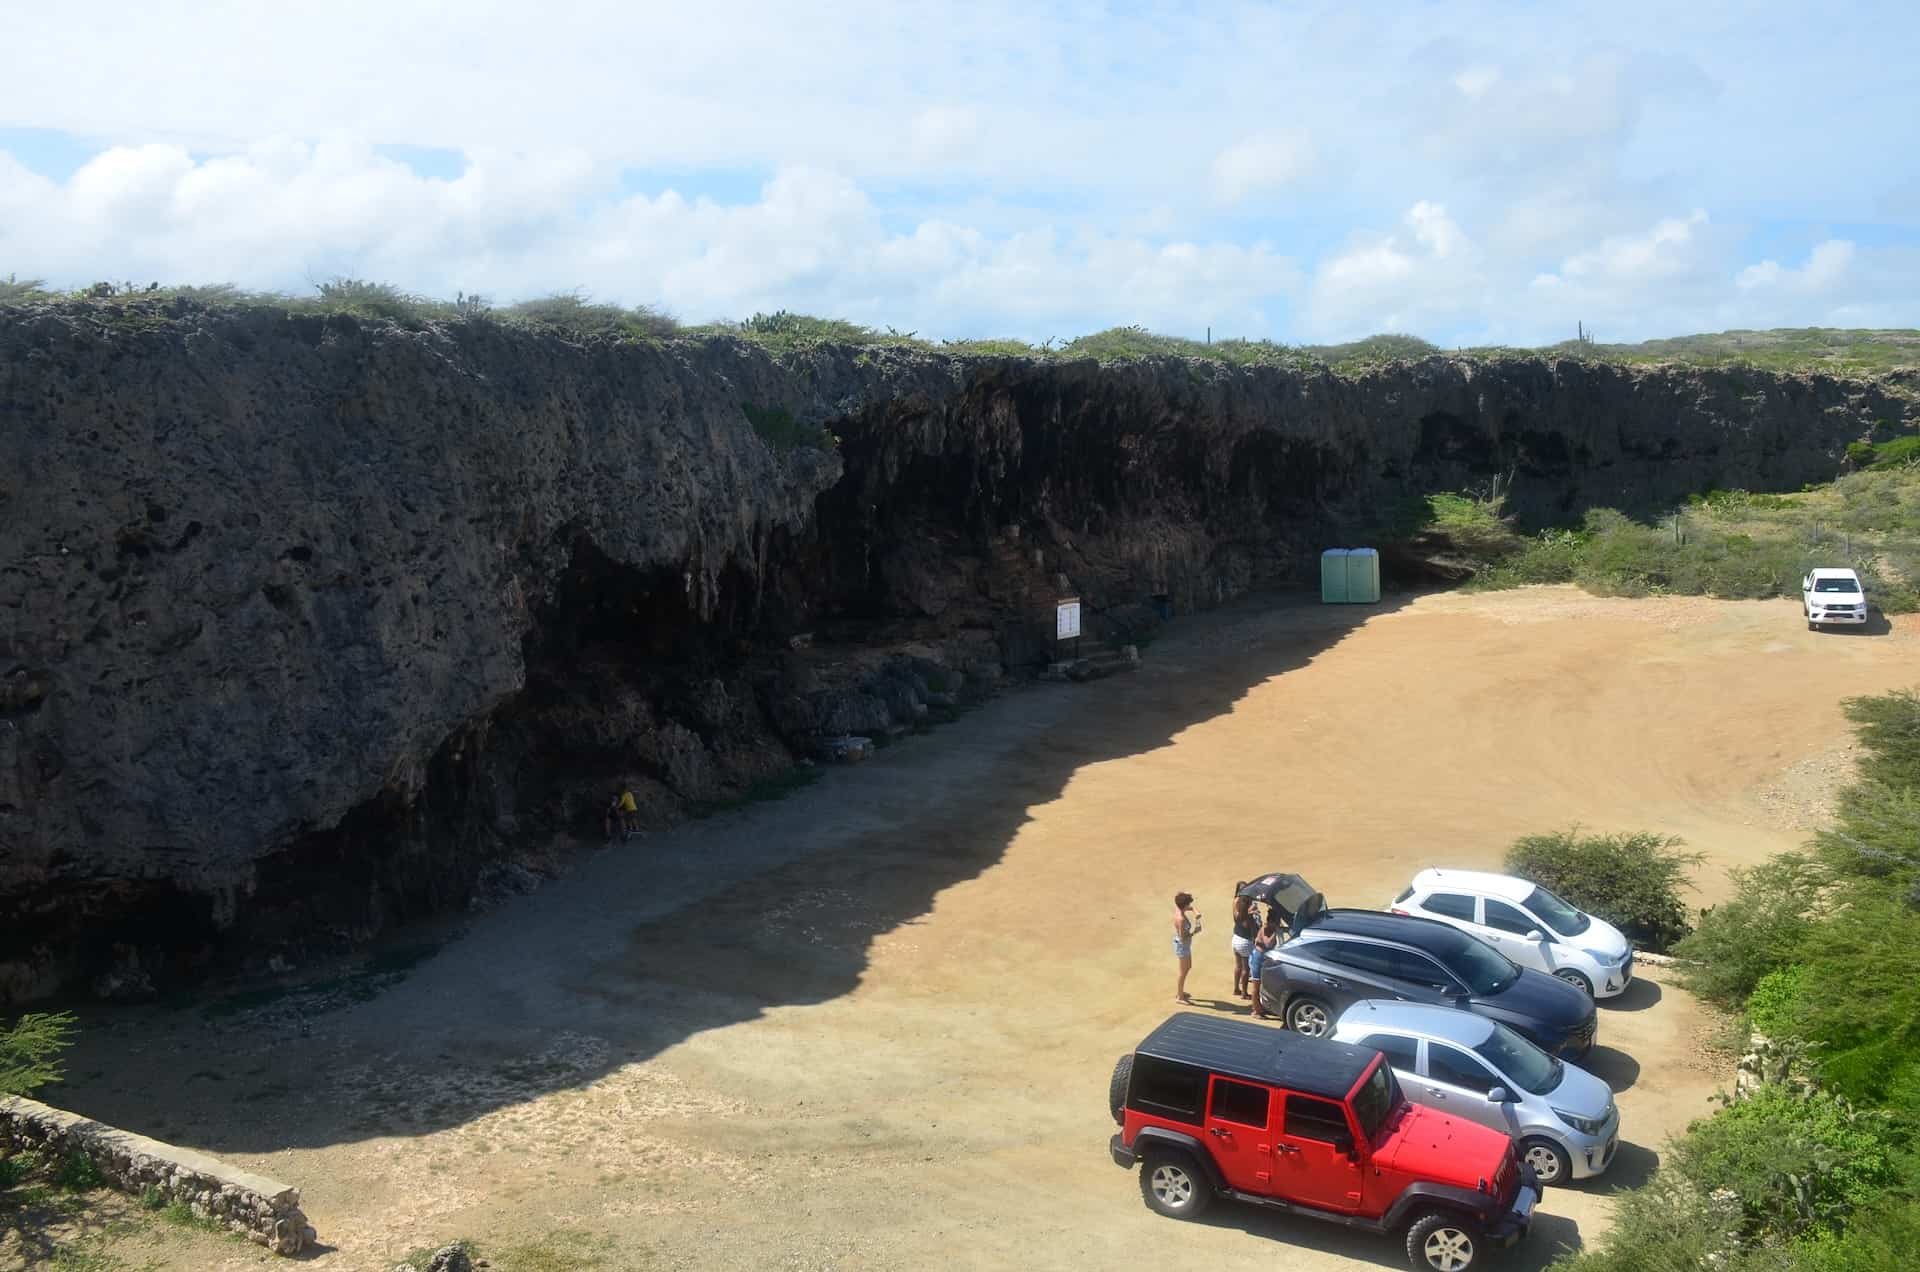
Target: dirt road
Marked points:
870	1026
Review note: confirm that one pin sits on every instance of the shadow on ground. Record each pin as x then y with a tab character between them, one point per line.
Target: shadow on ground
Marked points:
1639	995
1612	1066
1551	1236
693	930
1633	1165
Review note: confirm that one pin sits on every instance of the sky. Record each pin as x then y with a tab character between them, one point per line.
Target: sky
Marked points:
1471	173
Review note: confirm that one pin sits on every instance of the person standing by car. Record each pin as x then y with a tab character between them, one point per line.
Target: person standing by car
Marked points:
1245	925
1263	942
1186	922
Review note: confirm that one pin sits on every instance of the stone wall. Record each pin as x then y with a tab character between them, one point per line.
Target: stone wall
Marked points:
266	1211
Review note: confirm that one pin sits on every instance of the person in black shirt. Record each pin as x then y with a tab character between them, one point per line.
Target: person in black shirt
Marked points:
1245	924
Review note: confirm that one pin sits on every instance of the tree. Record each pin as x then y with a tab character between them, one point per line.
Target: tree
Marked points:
30	1051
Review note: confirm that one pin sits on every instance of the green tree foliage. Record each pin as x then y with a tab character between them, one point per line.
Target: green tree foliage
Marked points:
1824	953
1761	929
30	1051
1890	731
1797	1163
1633	881
15	290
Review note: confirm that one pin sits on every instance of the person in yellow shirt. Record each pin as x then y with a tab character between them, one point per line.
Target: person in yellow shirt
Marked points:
623	807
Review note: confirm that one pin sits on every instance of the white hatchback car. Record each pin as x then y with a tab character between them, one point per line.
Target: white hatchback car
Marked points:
1527	923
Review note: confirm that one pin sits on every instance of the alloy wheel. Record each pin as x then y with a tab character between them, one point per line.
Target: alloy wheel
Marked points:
1448	1249
1172	1185
1309	1019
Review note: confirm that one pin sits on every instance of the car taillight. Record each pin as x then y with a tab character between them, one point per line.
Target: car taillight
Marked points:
1397	910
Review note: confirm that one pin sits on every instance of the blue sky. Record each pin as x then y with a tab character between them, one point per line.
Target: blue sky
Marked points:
1466	172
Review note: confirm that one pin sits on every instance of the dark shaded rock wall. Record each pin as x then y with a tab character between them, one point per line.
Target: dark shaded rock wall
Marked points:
291	604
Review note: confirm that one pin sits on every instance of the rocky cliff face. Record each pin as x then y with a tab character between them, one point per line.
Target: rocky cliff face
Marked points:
308	623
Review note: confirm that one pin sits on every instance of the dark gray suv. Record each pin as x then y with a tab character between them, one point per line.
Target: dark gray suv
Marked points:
1347	955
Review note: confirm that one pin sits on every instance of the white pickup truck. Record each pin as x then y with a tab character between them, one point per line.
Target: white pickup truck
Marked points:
1833	596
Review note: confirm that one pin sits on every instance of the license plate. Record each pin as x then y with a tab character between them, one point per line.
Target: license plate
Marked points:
1523	1204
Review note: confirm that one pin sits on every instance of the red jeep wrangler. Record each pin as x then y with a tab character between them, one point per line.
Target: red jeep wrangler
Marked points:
1312	1127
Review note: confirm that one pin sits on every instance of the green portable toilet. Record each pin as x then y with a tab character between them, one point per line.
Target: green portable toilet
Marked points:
1333	575
1363	576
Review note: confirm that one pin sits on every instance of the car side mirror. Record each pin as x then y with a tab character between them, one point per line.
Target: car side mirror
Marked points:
1497	1096
1535	934
1344	1145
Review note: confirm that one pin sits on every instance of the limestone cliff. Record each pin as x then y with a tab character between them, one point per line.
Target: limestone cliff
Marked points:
305	621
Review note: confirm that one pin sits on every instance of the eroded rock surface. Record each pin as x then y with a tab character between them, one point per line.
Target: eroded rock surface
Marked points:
306	622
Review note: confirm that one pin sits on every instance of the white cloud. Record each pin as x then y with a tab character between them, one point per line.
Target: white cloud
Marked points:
284	212
1405	281
1476	80
1633	260
1261	165
1062	165
1828	264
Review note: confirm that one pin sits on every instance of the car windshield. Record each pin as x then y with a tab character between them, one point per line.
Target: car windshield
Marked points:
1485	971
1558	915
1376	1100
1530	1068
1835	585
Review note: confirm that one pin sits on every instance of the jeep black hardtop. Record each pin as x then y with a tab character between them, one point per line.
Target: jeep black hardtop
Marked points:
1317	1066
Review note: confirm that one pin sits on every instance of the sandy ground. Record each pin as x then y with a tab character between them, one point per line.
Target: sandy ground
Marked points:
870	1026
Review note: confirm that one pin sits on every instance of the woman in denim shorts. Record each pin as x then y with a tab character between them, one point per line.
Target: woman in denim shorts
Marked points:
1263	942
1183	926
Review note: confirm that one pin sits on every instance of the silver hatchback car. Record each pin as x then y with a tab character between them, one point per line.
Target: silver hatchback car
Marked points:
1563	1118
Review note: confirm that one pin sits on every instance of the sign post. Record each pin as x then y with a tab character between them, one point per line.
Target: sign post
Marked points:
1066	622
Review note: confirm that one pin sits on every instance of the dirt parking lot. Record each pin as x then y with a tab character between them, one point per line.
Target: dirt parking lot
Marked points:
870	1026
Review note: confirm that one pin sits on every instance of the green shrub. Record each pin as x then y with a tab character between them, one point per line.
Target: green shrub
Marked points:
572	314
1797	1163
77	1173
1889	729
1759	930
1633	881
1473	525
1859	1000
366	299
16	1167
1895	453
15	290
1666	1225
1882	1237
1552	556
1771	1005
30	1051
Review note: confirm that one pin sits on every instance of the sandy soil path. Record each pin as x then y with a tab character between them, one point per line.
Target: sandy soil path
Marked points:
870	1026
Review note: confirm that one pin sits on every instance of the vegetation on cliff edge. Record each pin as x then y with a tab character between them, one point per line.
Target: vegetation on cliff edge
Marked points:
575	314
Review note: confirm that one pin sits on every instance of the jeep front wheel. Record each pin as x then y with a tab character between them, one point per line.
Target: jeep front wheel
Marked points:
1309	1018
1117	1087
1173	1186
1441	1242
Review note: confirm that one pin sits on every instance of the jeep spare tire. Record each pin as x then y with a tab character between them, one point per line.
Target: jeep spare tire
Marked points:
1117	1088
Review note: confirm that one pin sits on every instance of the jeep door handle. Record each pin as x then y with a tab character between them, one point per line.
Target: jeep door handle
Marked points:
1220	1132
1286	1148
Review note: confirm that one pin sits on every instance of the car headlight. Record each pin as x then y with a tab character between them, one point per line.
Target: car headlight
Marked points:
1584	1125
1605	959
